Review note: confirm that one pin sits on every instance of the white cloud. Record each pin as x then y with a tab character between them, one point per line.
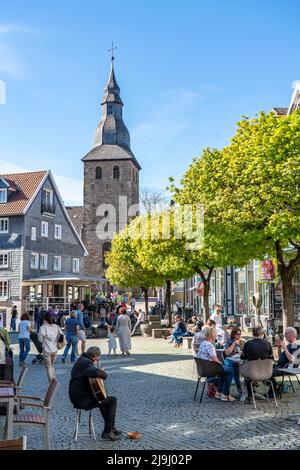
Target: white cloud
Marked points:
71	189
10	62
169	119
11	28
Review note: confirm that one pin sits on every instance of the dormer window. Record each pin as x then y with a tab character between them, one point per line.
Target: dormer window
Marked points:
109	109
3	195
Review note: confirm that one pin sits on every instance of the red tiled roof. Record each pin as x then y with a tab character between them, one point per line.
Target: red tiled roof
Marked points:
27	183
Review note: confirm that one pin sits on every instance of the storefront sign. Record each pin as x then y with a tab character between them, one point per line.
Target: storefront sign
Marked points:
268	270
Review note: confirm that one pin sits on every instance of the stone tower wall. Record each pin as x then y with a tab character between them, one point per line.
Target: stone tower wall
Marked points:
104	191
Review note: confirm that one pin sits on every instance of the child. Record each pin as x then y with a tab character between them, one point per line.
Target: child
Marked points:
112	343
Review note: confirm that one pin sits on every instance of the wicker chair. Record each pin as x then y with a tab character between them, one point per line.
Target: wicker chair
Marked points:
207	369
40	420
260	370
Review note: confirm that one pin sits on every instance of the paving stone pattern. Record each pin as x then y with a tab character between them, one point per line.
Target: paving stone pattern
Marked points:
155	387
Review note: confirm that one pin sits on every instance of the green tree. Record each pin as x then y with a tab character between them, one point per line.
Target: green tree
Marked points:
124	269
224	241
261	191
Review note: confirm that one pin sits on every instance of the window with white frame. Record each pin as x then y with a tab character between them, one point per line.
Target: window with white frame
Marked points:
57	231
3	289
56	263
4	225
75	265
3	195
34	261
43	261
44	229
33	233
4	259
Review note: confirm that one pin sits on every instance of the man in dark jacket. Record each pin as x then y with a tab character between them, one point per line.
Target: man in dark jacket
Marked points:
81	394
256	348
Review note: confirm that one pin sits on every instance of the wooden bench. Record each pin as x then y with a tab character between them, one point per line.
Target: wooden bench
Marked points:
187	342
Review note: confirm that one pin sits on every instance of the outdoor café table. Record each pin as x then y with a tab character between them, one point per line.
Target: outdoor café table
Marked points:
7	396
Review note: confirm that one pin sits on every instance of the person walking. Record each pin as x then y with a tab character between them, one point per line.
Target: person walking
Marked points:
81	332
48	336
112	342
123	330
71	329
24	337
140	320
132	303
14	314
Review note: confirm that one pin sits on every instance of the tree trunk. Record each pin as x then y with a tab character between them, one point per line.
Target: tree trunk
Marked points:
168	303
287	300
287	271
206	289
146	298
206	312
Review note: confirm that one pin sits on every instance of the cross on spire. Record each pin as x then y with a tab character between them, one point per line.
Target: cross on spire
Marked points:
112	51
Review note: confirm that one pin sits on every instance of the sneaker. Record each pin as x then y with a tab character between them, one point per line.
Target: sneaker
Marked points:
127	352
227	398
117	432
218	395
20	363
110	436
63	361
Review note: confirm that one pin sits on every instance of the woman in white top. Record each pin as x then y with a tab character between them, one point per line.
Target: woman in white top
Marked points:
24	337
48	336
123	330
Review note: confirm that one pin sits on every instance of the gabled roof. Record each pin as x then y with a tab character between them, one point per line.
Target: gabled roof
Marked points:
110	152
27	186
76	215
24	187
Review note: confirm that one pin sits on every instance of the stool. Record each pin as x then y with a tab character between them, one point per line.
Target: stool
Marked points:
91	425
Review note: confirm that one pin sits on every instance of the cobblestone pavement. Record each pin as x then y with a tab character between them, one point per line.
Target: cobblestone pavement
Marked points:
155	388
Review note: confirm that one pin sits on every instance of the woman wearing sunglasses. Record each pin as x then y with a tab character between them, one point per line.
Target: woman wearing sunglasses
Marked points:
233	350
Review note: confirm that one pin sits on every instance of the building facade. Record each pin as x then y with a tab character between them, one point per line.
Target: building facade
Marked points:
41	254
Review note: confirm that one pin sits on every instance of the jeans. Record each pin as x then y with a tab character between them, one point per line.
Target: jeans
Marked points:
177	337
13	324
71	341
225	380
24	344
236	372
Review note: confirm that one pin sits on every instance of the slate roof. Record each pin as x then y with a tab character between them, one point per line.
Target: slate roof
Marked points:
23	187
280	111
76	215
110	152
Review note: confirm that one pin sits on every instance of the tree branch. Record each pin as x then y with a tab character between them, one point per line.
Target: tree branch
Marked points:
295	245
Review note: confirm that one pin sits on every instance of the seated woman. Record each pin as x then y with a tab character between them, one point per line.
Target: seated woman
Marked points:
178	331
208	353
192	323
233	347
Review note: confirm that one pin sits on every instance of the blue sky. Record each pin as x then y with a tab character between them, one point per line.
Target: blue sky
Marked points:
187	72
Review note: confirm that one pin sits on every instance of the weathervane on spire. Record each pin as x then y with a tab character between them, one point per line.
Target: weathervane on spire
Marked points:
112	51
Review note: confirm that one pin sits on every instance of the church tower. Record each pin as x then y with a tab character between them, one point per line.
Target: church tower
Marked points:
111	180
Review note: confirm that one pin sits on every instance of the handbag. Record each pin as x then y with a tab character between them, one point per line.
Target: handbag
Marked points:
61	341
